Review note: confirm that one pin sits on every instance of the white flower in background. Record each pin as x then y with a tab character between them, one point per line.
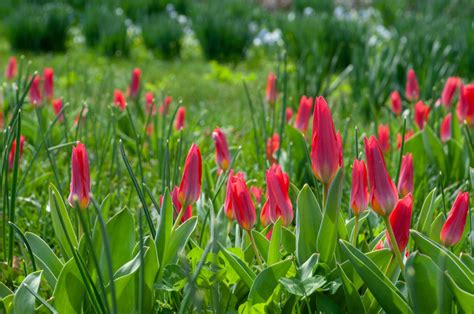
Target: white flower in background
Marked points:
291	16
308	11
265	37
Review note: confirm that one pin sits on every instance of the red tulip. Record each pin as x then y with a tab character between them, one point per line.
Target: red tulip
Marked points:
228	195
448	91
278	185
10	71
149	130
119	100
180	118
35	91
273	144
422	113
405	180
188	213
150	104
465	109
304	113
48	86
384	137
271	94
445	129
289	114
411	88
360	190
396	101
11	156
453	228
257	193
165	107
222	150
134	87
57	107
190	186
326	148
400	220
266	217
408	135
80	177
383	193
242	205
379	245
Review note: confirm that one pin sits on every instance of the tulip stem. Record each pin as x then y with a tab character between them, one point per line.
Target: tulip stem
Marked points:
355	232
393	242
325	194
178	219
254	246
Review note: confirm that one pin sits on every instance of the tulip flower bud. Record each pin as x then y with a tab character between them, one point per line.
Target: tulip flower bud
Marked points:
326	148
35	91
359	190
11	69
411	88
465	109
271	94
134	87
119	100
288	114
57	107
278	185
421	114
80	177
48	86
273	144
448	91
242	205
180	118
304	113
188	212
400	220
222	150
165	107
408	134
190	186
11	156
383	193
228	196
384	137
453	228
405	181
266	217
396	102
445	129
150	107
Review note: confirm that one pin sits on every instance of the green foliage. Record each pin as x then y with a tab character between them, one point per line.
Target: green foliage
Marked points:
163	34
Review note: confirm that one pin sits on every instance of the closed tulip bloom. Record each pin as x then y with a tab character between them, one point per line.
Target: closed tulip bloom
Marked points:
396	102
150	106
273	144
80	177
228	196
288	114
119	100
256	193
222	150
304	113
134	87
326	148
400	220
35	91
422	113
408	134
465	109
11	156
180	118
271	94
359	189
411	88
266	217
453	228
190	186
48	86
188	212
11	69
384	137
405	180
278	185
383	193
448	91
445	129
165	107
242	205
57	107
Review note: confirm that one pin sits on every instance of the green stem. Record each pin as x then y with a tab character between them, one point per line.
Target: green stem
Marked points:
325	194
355	232
254	246
393	242
180	215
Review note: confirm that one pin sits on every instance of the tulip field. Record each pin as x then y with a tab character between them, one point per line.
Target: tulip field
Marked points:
164	187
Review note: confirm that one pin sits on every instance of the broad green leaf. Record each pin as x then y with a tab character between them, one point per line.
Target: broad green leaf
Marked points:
164	227
464	298
239	266
327	236
178	240
351	223
288	240
61	222
275	241
7	303
128	268
306	270
384	291
436	226
353	300
24	301
434	149
125	288
262	244
467	260
266	282
305	287
45	258
69	291
426	213
308	219
4	290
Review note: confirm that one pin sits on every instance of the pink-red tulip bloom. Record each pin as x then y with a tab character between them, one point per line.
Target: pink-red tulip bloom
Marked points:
288	114
465	109
384	137
134	87
304	113
271	93
165	107
57	107
400	220
453	228
422	113
80	177
242	207
408	135
383	193
222	149
11	69
405	180
412	92
188	212
448	91
150	106
11	156
256	193
278	202
180	118
445	129
190	186
35	91
359	189
48	85
119	100
273	144
326	146
396	102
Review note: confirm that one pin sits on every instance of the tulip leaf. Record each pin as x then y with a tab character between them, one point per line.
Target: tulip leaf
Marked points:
467	260
4	290
274	248
436	226
327	236
239	266
266	282
308	219
178	240
434	149
461	273
45	257
464	298
305	287
354	302
288	240
69	291
164	227
121	233
262	244
125	287
24	301
61	223
426	213
384	291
